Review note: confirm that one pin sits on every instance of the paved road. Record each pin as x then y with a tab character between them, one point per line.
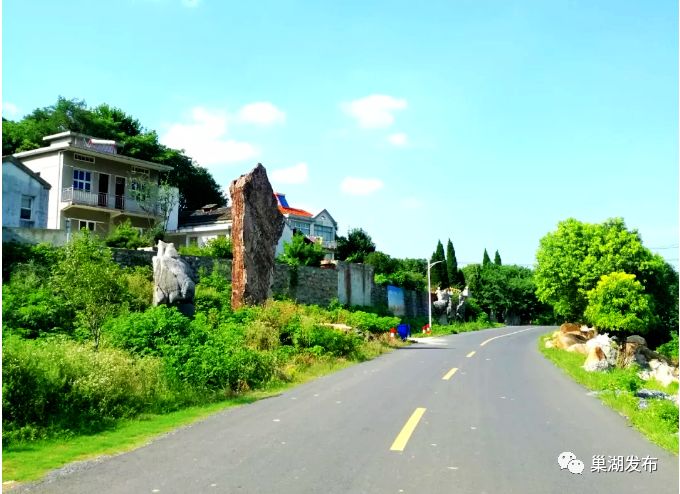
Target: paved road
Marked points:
497	425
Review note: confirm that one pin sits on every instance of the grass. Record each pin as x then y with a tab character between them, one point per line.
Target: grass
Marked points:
616	388
460	327
24	462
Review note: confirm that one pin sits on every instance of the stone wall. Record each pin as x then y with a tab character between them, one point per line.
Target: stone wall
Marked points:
348	282
306	284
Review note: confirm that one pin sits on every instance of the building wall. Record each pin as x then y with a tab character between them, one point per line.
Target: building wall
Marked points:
50	170
15	184
355	283
34	235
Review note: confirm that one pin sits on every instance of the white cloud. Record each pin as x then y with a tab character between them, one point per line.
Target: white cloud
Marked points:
360	186
400	139
261	113
205	139
9	110
297	174
374	111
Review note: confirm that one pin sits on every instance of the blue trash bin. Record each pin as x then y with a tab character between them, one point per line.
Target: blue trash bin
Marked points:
404	331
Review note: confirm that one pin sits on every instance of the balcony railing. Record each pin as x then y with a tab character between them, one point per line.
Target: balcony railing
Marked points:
102	200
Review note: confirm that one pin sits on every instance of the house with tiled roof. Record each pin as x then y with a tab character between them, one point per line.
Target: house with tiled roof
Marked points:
320	228
210	222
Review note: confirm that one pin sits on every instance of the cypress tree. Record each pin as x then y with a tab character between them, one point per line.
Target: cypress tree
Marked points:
486	259
452	266
438	273
497	259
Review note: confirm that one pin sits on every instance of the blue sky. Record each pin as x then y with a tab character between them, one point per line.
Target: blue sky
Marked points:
486	122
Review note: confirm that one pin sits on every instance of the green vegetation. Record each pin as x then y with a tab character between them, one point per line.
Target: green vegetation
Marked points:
616	388
83	349
438	273
125	236
301	252
571	261
355	247
618	303
220	247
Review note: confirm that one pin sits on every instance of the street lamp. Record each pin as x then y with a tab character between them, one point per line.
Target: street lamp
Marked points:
429	295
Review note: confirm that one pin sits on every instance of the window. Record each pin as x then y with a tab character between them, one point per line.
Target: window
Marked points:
82	157
139	183
325	232
26	212
87	225
82	180
301	226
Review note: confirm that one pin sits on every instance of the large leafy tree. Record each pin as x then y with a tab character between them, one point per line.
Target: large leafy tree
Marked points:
355	246
618	303
196	185
572	259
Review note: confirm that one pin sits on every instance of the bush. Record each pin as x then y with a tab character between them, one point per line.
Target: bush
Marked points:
670	348
140	287
29	306
56	384
301	252
125	236
220	247
149	332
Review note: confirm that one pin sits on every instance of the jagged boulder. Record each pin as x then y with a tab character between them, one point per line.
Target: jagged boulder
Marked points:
256	229
602	353
173	279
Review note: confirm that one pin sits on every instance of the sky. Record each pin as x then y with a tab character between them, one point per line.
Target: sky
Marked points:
486	122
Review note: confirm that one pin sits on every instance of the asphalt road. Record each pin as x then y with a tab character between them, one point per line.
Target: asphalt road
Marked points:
496	425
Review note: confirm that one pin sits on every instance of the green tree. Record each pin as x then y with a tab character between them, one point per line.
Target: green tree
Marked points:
618	303
497	259
196	185
455	276
300	252
355	247
90	282
438	272
571	260
486	259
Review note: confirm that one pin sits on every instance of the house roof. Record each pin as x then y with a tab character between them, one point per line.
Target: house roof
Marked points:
91	152
202	217
285	208
15	161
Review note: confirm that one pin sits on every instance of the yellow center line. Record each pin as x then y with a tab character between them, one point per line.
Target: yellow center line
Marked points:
449	374
470	354
400	442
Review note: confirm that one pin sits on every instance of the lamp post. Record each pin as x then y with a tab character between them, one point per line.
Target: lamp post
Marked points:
429	295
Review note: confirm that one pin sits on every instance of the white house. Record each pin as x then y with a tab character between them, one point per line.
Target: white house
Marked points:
200	226
96	188
25	195
320	228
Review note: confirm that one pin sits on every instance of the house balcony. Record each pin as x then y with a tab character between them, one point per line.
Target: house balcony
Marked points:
109	202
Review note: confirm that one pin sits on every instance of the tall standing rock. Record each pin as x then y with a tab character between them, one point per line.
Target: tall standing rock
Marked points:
256	229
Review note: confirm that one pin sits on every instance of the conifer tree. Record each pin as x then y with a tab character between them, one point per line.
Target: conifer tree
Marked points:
438	273
452	266
486	259
497	259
